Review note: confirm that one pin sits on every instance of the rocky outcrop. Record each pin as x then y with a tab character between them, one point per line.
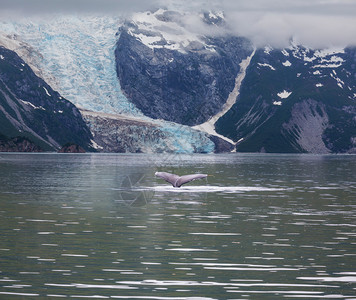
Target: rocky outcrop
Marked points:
71	148
30	107
17	144
221	146
307	124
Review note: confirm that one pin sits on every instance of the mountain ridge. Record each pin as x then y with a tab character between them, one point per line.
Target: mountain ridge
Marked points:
174	81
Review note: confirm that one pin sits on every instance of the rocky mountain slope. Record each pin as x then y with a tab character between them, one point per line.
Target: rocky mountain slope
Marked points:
295	100
172	74
30	108
159	82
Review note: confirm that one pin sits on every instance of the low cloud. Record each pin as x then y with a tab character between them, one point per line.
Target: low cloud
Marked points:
277	29
317	23
35	7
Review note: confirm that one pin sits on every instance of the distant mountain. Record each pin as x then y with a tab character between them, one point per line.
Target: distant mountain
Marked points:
168	81
29	108
295	100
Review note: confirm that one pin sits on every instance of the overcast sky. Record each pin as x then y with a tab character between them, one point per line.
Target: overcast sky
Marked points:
317	23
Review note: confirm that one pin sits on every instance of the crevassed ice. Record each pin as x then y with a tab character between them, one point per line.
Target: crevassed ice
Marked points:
77	58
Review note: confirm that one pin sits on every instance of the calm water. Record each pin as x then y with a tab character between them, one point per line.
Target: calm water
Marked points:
101	226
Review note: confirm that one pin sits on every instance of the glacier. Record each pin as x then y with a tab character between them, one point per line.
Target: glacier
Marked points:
76	57
74	54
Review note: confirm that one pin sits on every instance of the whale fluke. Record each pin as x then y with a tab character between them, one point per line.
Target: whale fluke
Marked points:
178	181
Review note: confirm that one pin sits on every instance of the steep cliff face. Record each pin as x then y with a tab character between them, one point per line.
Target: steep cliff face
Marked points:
30	108
295	100
170	74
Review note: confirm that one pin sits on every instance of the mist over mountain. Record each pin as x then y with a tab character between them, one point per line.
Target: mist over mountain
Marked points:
316	24
168	80
172	74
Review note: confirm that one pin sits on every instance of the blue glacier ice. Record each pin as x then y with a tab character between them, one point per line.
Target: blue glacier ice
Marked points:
77	58
75	55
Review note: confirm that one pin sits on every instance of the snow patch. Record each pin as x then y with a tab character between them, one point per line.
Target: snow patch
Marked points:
32	105
285	94
285	52
48	94
339	82
268	49
95	145
267	65
319	85
331	66
333	62
279	103
160	30
287	63
324	58
329	51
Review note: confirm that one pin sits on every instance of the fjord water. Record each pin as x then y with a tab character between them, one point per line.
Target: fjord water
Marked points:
263	226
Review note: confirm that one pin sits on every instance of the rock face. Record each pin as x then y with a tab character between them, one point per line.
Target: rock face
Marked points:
186	81
295	100
17	144
30	108
71	148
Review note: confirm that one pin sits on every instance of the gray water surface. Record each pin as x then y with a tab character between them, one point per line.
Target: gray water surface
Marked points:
102	226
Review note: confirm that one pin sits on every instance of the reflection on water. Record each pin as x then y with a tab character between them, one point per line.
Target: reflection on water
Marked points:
102	226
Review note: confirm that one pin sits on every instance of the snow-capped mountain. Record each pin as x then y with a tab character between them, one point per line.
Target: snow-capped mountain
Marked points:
174	74
295	100
172	81
75	55
170	30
